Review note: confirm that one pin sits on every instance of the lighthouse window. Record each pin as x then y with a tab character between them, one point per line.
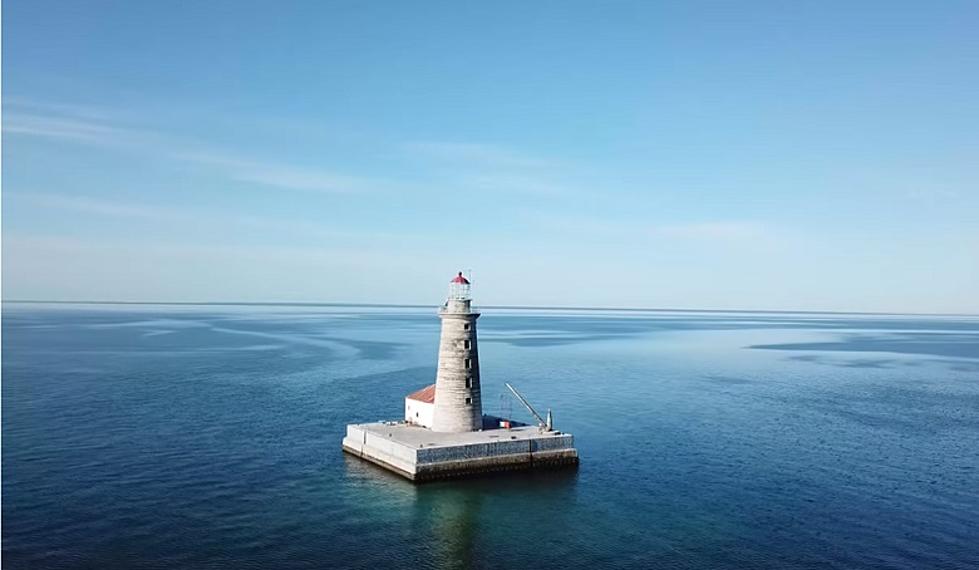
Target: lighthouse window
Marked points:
467	344
469	400
469	382
465	326
469	363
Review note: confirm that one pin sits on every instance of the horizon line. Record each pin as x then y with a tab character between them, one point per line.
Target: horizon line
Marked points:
502	307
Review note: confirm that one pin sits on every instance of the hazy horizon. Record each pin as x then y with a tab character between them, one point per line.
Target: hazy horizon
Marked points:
340	304
703	156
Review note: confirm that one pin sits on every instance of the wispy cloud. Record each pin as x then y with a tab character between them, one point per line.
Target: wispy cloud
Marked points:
69	268
492	169
63	128
49	108
173	217
96	206
284	175
717	231
464	153
489	169
492	182
94	128
714	231
79	124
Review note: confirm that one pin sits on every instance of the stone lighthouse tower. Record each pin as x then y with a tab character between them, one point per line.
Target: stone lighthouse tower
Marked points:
458	404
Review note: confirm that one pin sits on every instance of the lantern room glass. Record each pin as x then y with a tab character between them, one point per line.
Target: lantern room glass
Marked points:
460	291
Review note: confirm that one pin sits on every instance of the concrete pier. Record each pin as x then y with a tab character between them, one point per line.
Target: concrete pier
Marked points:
420	454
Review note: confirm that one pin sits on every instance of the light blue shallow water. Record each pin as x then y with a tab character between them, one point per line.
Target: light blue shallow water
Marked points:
159	437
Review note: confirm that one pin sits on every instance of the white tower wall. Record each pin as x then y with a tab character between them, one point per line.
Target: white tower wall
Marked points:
458	400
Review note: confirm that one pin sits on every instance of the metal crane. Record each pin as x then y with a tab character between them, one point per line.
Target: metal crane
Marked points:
548	424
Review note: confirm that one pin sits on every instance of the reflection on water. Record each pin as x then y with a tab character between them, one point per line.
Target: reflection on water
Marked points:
454	517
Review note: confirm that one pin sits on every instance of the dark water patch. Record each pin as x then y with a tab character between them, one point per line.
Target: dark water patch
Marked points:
887	363
370	349
814	358
879	363
937	344
728	380
959	365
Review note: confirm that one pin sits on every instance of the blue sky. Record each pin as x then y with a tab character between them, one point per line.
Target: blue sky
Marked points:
711	155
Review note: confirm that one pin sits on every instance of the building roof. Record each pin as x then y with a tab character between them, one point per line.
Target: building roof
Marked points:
460	279
426	394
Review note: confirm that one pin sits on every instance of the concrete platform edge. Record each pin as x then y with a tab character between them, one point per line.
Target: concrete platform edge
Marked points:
564	458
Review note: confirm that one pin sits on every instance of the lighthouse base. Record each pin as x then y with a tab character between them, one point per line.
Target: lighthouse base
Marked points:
420	454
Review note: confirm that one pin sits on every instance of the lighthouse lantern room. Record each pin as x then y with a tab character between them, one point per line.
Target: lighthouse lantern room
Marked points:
459	288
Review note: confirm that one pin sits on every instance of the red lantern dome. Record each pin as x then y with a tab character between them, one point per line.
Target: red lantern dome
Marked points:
459	288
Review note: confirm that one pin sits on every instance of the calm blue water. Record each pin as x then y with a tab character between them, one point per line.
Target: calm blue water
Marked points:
160	437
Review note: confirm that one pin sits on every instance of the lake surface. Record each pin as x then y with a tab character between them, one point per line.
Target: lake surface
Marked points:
209	437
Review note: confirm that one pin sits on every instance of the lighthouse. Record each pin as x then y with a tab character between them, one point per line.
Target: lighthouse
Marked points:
458	402
444	433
